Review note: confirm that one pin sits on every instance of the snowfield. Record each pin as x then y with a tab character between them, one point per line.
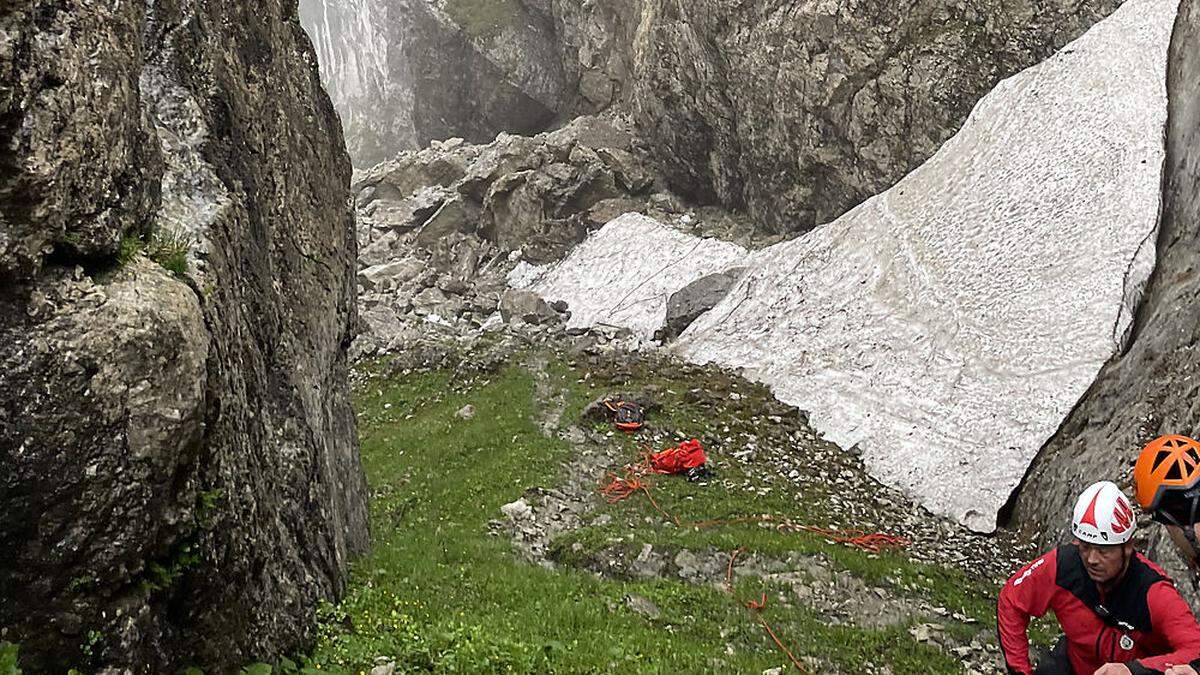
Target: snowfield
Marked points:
947	326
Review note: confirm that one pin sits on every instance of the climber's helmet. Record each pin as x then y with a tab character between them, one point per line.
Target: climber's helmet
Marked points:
1167	479
1103	516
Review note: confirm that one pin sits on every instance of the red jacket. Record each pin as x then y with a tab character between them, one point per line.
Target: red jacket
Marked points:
1142	622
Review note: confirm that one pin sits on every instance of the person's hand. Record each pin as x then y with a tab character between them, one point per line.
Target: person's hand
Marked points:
1114	669
1184	669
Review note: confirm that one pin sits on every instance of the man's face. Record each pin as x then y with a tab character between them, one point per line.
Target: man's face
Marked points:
1104	563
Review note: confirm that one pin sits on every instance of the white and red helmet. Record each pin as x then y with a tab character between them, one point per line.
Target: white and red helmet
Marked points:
1103	515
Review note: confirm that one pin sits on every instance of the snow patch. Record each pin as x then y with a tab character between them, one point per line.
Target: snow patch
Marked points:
625	272
947	326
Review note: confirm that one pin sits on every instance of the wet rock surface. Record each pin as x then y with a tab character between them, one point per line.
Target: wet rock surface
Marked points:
405	72
176	445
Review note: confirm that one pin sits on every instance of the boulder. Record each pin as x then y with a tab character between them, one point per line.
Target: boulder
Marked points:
453	216
688	303
390	275
526	306
409	213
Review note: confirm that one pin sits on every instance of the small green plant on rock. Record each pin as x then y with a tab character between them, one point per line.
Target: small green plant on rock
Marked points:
129	249
165	574
8	659
206	506
168	249
90	643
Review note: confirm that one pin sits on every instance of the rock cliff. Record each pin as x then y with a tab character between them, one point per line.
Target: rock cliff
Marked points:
794	112
1150	389
799	111
404	72
179	473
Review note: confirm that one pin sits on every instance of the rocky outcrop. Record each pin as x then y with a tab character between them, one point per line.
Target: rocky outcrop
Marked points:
439	229
1150	389
538	194
178	465
799	111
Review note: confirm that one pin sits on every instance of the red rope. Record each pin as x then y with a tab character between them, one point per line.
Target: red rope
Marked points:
646	489
874	542
767	627
621	487
757	606
729	572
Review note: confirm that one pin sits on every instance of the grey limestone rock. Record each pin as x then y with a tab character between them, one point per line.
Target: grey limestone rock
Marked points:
541	194
793	112
688	303
524	305
179	468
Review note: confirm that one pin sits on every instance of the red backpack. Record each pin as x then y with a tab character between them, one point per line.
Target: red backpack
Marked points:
688	455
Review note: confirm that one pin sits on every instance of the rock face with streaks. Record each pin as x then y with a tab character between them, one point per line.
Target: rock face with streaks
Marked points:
1149	389
799	111
179	472
404	72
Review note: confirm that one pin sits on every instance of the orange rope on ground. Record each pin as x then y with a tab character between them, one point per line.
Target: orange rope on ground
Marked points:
874	542
756	606
646	489
621	487
795	662
729	572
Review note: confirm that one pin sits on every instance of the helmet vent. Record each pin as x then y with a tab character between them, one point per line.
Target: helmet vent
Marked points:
1174	473
1160	458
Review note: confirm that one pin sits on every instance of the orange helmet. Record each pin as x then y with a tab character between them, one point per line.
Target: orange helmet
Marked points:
1167	464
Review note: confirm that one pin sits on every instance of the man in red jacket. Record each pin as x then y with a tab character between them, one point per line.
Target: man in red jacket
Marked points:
1119	612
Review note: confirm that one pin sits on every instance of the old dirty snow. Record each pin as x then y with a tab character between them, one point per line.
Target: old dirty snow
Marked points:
946	326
